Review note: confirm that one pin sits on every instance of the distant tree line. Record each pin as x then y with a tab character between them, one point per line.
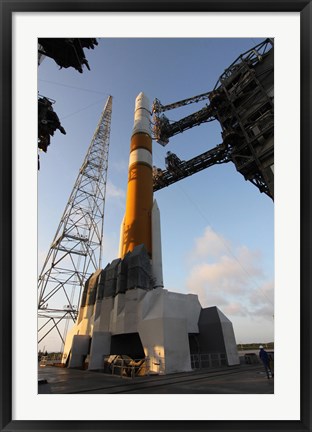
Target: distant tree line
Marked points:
50	356
255	346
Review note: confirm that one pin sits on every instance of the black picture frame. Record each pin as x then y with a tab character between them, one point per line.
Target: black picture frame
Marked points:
8	7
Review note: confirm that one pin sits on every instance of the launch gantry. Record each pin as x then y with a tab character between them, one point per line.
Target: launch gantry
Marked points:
242	101
75	252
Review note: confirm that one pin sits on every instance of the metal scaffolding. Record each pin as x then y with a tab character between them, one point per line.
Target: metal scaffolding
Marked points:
75	252
242	101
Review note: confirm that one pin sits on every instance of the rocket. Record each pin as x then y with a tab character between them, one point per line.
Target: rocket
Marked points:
141	223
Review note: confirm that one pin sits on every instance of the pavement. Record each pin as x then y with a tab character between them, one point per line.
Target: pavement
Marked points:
241	379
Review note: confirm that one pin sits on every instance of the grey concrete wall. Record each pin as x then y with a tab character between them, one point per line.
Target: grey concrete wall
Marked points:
100	346
79	350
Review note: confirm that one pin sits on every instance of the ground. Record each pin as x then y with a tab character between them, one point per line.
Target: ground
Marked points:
242	379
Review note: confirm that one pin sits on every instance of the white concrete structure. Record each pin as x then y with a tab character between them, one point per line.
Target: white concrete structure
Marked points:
162	319
229	340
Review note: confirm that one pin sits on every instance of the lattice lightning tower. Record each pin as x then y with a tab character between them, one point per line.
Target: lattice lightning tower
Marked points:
75	252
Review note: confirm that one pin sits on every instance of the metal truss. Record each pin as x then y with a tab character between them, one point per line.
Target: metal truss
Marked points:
242	101
178	170
75	252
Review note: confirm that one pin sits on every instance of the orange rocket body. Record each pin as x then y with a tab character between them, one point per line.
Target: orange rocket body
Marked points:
137	224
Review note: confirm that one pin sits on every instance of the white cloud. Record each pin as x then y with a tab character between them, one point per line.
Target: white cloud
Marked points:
208	245
232	280
113	191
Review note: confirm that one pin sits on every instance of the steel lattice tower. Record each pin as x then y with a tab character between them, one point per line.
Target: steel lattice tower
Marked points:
75	252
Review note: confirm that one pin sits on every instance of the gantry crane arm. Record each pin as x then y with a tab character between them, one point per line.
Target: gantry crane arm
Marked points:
159	108
163	129
177	169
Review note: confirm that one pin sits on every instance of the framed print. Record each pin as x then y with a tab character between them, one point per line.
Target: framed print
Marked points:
257	270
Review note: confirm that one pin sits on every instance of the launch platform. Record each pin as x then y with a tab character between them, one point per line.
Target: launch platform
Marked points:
242	379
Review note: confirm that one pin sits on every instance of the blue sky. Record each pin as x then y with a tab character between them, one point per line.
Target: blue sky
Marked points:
217	229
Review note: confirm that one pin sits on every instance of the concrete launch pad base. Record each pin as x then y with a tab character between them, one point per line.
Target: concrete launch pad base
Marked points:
243	379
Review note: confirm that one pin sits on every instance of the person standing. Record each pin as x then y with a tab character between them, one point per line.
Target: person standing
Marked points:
264	357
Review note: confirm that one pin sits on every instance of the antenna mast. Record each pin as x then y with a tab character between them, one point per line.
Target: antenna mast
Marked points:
76	250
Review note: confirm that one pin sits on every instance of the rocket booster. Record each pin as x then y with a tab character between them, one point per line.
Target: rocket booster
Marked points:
137	220
141	223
